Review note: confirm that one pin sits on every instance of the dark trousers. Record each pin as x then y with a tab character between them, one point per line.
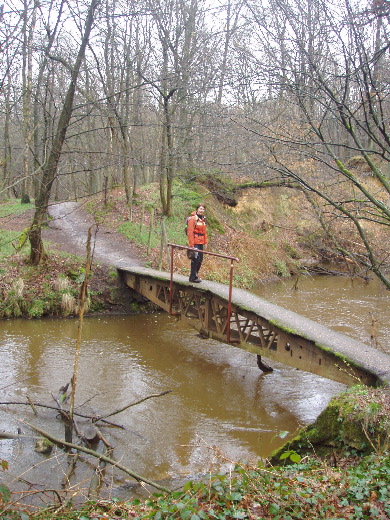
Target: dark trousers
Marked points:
196	262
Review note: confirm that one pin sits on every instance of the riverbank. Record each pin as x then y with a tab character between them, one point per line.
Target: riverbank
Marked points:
337	468
256	233
53	287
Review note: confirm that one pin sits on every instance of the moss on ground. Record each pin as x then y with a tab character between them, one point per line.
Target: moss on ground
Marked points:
358	419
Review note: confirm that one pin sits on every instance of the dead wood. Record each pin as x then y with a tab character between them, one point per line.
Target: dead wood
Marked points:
72	460
7	435
99	456
84	416
130	405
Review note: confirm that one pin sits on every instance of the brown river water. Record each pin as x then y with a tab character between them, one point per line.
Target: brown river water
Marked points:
221	408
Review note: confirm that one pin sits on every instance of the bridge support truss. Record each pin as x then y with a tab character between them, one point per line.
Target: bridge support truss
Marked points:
208	314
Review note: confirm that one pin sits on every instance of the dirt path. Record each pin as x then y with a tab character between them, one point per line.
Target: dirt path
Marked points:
69	229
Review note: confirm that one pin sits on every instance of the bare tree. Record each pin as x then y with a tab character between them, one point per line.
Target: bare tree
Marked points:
336	89
182	64
49	167
29	24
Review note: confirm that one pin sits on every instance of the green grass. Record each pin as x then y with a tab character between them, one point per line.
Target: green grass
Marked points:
8	208
185	200
7	238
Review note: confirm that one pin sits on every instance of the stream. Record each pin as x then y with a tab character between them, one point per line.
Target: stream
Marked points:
220	409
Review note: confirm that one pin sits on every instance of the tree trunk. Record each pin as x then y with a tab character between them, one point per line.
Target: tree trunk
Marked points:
49	168
28	31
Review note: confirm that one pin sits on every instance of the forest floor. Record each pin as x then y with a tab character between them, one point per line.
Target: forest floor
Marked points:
65	238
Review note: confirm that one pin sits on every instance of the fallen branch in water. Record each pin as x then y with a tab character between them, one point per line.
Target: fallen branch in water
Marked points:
99	456
6	435
130	405
59	410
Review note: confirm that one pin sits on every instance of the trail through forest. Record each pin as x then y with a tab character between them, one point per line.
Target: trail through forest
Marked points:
68	228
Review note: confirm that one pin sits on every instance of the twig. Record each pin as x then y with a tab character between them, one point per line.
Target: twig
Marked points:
103	439
6	435
130	405
60	410
32	405
72	464
15	382
63	413
98	456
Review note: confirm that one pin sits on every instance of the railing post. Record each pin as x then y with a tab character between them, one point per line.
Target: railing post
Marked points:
229	306
171	284
229	309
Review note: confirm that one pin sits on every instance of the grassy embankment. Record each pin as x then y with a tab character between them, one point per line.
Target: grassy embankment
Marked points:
53	287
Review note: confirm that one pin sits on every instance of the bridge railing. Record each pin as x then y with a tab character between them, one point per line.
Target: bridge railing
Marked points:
232	260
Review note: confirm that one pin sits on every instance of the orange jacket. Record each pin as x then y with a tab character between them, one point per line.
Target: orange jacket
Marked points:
196	230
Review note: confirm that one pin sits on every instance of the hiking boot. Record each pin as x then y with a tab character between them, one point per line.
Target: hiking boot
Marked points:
195	280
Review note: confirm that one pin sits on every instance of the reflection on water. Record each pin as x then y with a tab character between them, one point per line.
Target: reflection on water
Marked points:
351	306
219	398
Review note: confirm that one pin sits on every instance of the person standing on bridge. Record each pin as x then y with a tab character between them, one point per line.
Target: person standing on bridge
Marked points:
197	238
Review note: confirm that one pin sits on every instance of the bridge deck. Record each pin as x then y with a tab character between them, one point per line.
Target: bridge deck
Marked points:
286	336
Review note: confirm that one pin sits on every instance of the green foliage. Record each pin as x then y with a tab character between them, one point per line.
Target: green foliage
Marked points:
186	195
291	251
185	202
292	455
36	309
13	207
4	493
113	273
140	234
358	490
7	239
242	277
281	269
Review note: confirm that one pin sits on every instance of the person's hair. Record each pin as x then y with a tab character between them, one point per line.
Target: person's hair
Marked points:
199	205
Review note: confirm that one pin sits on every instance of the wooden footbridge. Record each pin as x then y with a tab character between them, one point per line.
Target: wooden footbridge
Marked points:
255	325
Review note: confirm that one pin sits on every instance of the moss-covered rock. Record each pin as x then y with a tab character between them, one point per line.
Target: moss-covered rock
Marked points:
43	445
359	419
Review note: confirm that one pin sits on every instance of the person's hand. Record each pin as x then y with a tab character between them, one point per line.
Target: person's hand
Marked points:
191	254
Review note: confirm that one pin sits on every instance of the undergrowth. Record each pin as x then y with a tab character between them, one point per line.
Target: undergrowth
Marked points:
50	289
353	487
261	250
